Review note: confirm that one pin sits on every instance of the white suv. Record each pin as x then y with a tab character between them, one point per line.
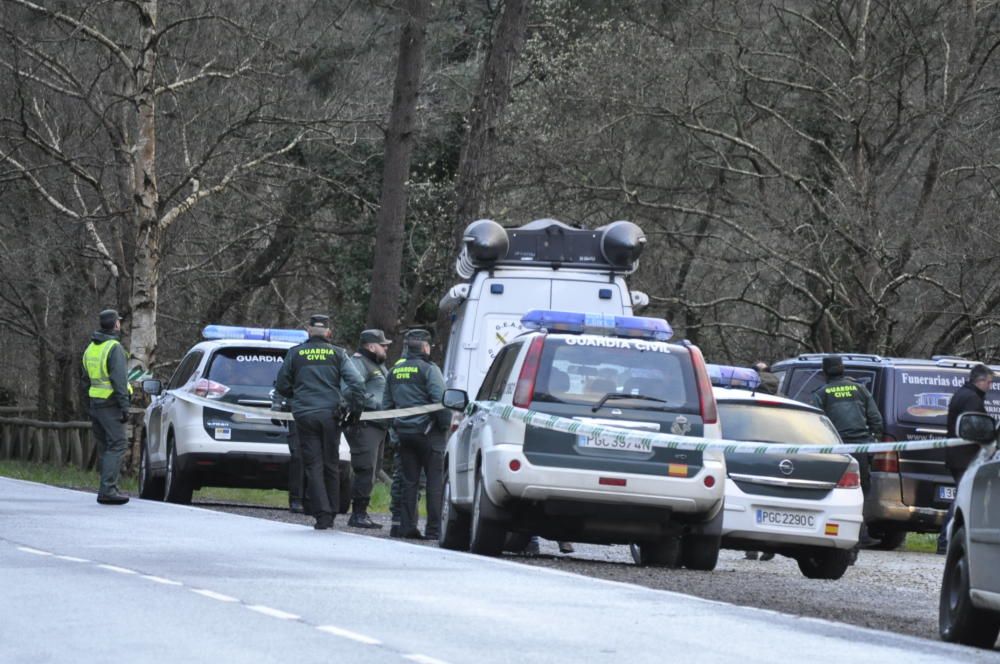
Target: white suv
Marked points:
503	476
188	444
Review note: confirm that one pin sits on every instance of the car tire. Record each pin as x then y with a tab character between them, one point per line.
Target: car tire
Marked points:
486	537
177	485
817	563
345	477
958	620
456	525
700	552
661	553
150	486
889	539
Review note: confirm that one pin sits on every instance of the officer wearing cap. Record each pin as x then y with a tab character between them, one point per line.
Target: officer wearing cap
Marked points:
415	381
319	379
853	412
108	391
366	438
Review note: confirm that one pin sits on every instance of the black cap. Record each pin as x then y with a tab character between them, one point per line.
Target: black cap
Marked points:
319	320
374	337
416	335
108	318
833	365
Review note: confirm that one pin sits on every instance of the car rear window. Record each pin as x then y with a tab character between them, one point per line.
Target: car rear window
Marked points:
769	424
922	395
572	372
256	367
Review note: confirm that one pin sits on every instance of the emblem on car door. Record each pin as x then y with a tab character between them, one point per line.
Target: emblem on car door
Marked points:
681	426
786	466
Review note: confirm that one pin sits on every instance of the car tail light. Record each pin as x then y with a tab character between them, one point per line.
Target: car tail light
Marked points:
529	372
706	399
851	479
885	462
455	419
209	389
709	481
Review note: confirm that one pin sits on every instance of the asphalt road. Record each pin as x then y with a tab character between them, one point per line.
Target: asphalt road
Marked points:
161	583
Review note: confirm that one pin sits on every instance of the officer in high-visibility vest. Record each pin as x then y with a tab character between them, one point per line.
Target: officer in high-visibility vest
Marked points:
108	390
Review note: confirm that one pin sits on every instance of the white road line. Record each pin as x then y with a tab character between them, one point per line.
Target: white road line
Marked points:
211	594
274	613
73	559
115	568
423	659
348	634
160	579
37	552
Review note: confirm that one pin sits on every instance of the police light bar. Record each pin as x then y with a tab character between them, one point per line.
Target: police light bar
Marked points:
636	327
253	333
726	376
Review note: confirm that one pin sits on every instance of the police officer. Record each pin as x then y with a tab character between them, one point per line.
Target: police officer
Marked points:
970	398
108	391
311	377
853	412
415	381
366	438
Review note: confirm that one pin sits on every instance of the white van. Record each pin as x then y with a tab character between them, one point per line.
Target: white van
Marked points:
545	264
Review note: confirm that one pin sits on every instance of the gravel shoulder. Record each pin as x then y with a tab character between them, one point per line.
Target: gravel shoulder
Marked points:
886	590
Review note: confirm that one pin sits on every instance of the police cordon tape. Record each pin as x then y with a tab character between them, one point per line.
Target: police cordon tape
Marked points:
247	413
621	438
604	436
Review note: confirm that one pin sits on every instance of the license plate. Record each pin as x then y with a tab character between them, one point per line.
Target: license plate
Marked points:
786	519
612	444
946	493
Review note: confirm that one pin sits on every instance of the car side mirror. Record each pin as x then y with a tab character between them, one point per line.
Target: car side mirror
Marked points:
455	399
152	387
977	427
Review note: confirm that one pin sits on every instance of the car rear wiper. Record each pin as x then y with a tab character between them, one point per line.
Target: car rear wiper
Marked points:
616	395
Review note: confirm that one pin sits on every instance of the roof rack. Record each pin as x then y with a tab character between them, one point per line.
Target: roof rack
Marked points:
949	361
854	357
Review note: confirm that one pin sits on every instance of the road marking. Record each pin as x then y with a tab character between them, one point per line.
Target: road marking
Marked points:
211	594
73	559
274	613
348	634
37	552
160	579
423	659
115	568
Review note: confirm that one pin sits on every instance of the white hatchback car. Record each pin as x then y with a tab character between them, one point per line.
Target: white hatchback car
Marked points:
189	445
503	476
804	506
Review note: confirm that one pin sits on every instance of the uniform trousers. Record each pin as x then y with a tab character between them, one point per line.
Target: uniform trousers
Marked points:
319	439
109	435
421	452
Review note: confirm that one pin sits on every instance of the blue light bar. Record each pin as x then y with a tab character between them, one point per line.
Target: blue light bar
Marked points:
636	327
726	376
254	333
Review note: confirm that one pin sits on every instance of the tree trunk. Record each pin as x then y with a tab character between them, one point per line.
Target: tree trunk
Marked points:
383	307
488	106
146	273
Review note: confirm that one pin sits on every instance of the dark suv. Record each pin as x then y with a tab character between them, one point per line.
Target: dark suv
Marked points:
910	491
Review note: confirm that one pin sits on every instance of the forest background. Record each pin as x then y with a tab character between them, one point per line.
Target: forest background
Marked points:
811	175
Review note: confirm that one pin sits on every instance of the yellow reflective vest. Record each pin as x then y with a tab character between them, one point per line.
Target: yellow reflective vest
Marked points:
95	363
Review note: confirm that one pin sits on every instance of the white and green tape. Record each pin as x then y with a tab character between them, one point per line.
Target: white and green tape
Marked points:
618	437
244	413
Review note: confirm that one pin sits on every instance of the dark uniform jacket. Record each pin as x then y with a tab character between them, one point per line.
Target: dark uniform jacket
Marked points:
311	379
374	375
851	408
768	382
415	381
116	372
967	399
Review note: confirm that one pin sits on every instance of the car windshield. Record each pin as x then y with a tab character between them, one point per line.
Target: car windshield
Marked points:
573	372
257	367
769	424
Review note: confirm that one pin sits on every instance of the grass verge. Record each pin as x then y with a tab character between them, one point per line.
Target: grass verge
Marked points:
74	478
